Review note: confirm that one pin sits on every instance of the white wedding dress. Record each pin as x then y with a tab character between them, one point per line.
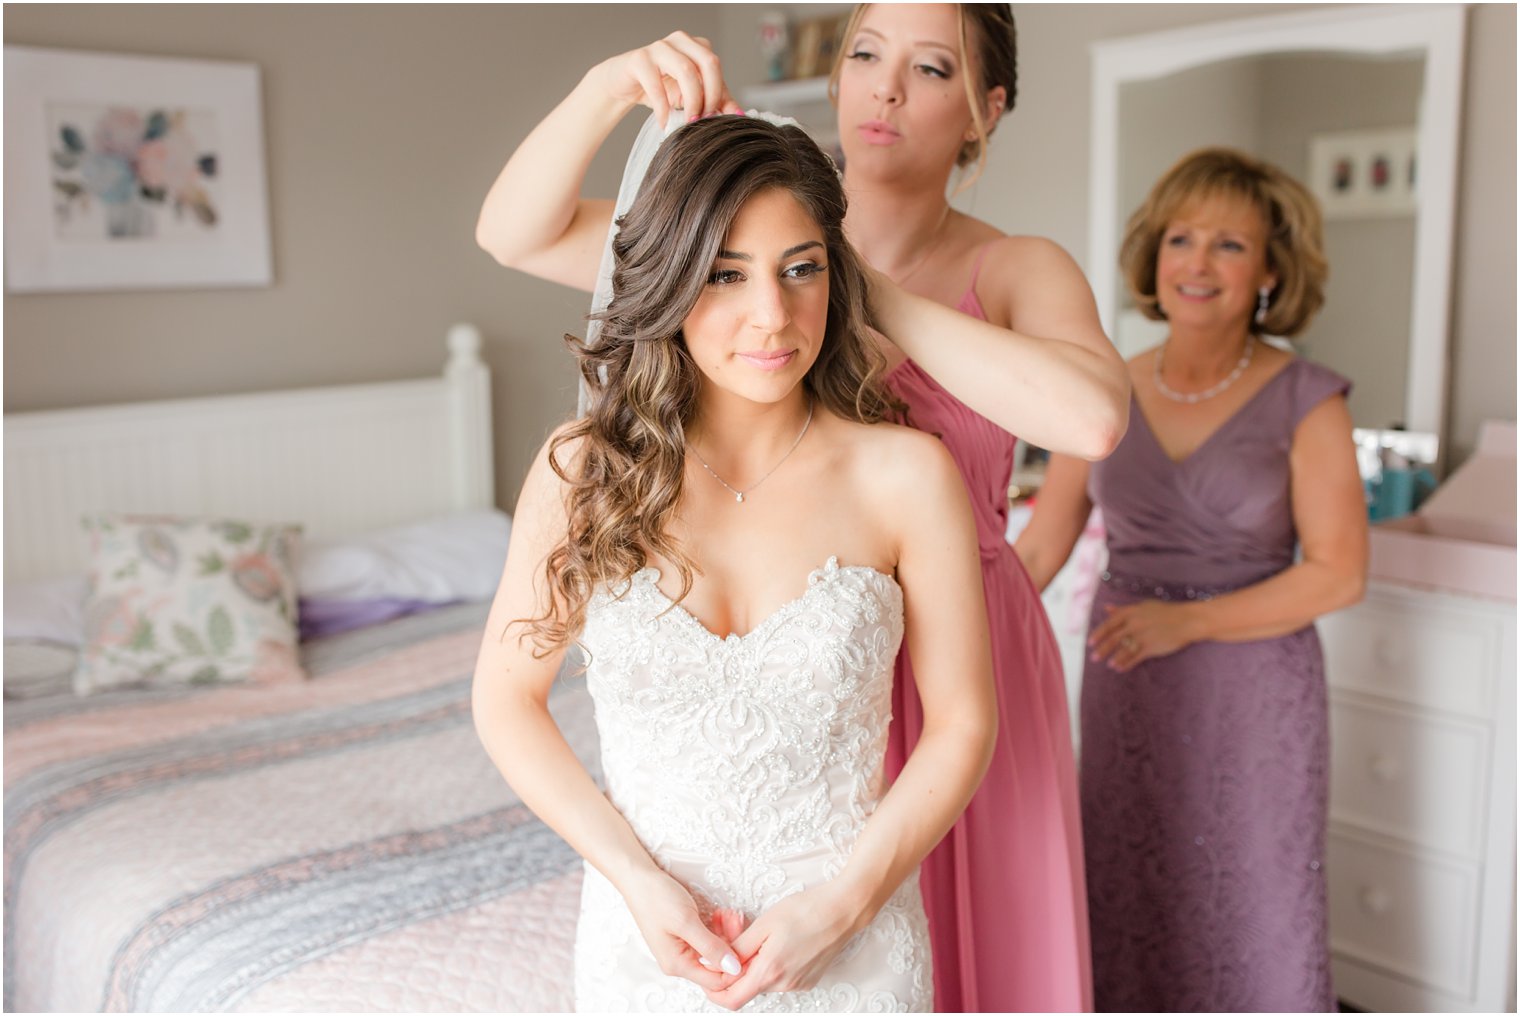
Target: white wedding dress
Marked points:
747	767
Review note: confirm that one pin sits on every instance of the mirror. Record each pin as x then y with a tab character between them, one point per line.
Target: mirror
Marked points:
1362	105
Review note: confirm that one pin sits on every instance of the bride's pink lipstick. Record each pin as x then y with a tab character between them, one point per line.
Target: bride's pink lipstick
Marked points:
878	132
768	359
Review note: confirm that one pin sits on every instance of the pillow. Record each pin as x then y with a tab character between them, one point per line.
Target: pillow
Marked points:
320	617
48	610
440	560
188	601
37	667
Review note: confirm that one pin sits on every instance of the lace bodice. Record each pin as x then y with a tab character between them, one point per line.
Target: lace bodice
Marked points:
745	754
747	766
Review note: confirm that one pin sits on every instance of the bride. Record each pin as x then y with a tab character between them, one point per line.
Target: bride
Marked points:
740	546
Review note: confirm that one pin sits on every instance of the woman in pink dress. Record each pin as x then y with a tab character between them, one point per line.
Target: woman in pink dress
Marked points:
919	89
1000	336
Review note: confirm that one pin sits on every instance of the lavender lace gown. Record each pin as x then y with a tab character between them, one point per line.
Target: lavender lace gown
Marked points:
1204	774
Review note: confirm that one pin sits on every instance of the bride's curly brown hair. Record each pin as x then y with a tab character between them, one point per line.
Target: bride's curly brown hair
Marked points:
624	476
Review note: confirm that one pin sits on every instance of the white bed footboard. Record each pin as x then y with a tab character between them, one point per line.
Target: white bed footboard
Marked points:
338	460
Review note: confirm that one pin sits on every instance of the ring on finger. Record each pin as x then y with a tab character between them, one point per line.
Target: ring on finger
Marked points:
1128	642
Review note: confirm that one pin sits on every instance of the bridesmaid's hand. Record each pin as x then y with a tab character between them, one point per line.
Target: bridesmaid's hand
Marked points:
679	71
682	944
1143	631
791	945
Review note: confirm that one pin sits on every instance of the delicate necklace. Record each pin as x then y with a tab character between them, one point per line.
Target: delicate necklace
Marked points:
739	494
937	235
1210	392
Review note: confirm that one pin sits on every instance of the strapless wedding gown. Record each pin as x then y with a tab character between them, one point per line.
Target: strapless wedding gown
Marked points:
747	767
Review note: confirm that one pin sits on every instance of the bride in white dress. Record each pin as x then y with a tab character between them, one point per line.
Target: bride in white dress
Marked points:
740	546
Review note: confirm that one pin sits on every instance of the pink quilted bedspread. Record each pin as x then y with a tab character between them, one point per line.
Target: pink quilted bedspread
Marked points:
338	845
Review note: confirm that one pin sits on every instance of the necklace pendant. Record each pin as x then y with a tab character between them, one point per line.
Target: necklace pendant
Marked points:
739	497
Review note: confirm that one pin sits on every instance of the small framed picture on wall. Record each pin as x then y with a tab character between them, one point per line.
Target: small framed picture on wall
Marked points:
1365	174
814	43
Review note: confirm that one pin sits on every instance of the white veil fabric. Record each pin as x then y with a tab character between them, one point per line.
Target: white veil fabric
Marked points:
651	136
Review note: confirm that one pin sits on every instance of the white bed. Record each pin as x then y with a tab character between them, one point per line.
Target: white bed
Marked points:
339	460
337	844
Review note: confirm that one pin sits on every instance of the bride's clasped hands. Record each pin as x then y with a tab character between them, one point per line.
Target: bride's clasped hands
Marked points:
792	945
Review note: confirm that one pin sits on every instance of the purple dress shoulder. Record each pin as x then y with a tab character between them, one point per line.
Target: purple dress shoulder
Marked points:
1003	890
1204	775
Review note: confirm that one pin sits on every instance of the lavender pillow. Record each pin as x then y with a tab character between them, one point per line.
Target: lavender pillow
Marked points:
321	617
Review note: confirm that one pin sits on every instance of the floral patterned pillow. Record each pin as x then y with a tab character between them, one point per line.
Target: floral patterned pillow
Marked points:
188	601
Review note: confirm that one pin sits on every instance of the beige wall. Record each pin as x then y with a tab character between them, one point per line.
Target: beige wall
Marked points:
386	124
1364	329
1224	107
1483	277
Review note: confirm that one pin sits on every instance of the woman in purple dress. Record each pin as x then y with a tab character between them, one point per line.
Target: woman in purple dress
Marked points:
1205	742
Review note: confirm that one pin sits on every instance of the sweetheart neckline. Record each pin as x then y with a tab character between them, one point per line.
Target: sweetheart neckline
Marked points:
815	579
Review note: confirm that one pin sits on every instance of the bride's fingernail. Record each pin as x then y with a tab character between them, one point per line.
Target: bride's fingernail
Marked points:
703	960
731	964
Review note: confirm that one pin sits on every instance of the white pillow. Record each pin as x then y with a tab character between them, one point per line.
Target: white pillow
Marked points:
36	667
188	601
446	558
47	610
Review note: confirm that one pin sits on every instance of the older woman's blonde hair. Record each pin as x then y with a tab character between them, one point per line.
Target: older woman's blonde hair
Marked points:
1295	232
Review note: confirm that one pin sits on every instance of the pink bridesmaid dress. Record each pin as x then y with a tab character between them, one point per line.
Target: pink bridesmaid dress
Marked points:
1004	891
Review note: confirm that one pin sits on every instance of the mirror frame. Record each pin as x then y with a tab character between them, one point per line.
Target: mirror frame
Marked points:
1436	32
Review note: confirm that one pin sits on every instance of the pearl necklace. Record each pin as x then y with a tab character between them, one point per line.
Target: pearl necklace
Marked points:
739	494
1213	390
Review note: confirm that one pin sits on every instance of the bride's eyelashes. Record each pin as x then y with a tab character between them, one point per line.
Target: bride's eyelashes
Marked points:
802	271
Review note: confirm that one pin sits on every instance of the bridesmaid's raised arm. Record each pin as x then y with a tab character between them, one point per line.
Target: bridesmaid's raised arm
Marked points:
534	218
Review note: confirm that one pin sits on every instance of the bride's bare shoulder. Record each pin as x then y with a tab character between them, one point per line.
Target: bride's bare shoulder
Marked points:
895	463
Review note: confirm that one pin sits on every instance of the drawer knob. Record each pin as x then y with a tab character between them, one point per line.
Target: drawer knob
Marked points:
1385	768
1376	900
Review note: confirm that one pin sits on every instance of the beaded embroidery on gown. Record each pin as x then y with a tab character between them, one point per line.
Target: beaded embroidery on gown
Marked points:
747	767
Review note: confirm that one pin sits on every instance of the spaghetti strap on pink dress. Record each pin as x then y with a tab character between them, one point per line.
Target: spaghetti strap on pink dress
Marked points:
1005	889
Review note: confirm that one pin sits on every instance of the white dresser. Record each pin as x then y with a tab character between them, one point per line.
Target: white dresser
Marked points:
1422	802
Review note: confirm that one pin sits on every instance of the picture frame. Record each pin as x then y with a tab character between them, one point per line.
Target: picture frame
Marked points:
814	43
130	172
1365	173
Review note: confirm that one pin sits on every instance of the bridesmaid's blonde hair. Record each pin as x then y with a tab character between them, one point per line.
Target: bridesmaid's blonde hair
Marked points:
992	28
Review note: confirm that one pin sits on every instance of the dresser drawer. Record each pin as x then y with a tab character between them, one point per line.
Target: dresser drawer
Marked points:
1413	917
1418	778
1422	653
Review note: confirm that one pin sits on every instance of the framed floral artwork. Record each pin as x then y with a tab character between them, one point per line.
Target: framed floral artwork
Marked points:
1365	174
126	172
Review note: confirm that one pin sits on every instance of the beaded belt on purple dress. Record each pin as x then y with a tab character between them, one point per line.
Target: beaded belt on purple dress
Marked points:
1168	591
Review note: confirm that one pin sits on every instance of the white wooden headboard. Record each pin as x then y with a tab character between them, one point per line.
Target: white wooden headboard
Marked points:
338	460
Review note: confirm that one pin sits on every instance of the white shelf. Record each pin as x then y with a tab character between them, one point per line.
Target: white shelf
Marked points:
778	96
